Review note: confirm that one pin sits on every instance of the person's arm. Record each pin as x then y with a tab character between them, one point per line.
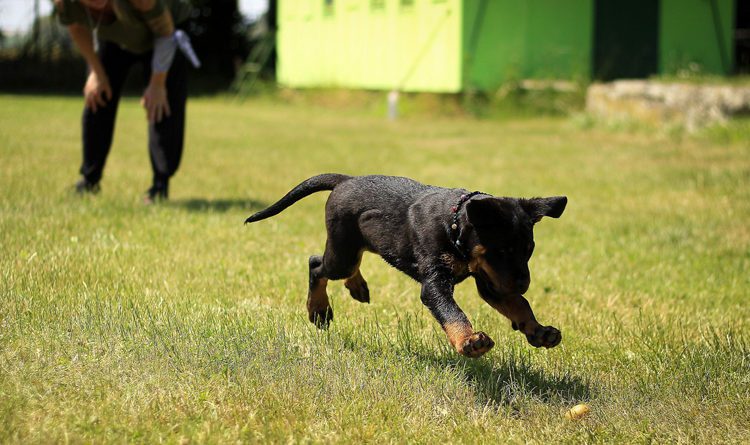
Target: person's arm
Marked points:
97	85
160	23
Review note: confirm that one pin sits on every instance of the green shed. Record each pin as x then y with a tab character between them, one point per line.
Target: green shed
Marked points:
456	45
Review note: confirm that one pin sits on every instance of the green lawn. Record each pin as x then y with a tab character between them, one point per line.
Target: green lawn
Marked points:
177	323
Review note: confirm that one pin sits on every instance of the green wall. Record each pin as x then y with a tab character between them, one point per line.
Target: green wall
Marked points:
455	45
688	36
372	44
510	40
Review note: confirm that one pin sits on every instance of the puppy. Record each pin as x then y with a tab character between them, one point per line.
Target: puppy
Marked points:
437	236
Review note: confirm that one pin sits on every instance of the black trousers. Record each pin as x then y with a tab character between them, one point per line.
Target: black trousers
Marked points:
165	138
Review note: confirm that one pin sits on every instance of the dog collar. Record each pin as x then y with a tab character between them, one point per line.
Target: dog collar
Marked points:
455	234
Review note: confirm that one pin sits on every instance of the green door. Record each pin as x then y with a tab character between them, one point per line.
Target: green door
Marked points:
742	37
626	36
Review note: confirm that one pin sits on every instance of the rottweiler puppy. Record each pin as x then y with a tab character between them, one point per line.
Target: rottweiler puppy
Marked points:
439	237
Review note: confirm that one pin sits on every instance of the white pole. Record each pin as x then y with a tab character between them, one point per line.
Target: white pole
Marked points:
392	105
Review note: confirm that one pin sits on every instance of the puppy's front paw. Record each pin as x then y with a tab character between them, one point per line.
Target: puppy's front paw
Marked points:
476	345
546	336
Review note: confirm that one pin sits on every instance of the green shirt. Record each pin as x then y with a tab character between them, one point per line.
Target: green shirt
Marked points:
130	29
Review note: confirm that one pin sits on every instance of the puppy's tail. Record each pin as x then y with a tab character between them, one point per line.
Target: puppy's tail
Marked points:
309	186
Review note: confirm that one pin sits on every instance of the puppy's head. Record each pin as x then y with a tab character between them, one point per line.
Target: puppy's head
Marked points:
504	239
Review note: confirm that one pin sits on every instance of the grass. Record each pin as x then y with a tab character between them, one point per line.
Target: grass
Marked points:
177	324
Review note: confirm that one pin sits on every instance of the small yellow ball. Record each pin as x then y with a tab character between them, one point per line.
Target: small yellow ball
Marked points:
578	412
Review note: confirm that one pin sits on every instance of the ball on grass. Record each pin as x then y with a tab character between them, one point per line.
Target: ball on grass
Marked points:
578	412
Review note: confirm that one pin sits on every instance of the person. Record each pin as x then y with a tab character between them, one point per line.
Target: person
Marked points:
112	36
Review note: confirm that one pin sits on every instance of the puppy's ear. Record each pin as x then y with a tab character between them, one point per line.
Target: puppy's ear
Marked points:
539	207
486	212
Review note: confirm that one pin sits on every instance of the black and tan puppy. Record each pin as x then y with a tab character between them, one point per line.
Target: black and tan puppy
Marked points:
435	235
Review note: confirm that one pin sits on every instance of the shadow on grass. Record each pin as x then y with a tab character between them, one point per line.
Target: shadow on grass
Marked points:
505	377
218	205
513	379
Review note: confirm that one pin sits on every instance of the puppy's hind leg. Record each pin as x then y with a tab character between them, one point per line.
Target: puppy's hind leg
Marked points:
319	309
340	261
357	285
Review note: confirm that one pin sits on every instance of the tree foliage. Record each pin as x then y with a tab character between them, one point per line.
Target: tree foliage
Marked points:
220	35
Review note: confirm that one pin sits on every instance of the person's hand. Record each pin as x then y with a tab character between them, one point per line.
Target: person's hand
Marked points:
155	102
97	91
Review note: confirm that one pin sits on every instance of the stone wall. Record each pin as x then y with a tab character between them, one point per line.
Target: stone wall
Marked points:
690	105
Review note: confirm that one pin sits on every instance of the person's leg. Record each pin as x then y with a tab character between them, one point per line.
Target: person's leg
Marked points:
99	126
166	138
